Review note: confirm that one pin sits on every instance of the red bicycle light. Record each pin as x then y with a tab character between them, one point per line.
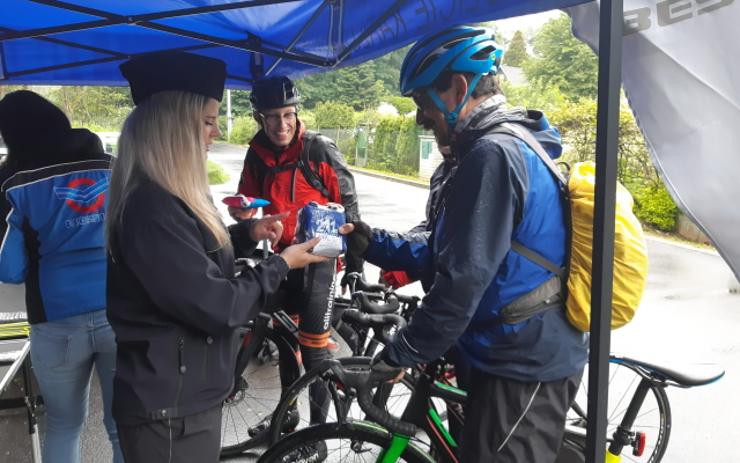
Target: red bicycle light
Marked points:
638	448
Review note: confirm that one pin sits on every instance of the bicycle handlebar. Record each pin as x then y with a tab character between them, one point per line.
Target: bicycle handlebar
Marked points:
363	381
381	323
377	414
359	284
390	305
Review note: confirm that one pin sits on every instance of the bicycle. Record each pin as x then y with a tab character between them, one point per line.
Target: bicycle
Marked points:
269	358
639	416
386	438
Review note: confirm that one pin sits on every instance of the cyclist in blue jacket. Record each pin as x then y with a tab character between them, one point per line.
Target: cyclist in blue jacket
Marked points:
52	210
527	359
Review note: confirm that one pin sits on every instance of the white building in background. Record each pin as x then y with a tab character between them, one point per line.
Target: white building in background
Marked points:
387	109
429	156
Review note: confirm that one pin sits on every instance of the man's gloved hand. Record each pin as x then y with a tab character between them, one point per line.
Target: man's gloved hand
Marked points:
382	369
395	278
358	235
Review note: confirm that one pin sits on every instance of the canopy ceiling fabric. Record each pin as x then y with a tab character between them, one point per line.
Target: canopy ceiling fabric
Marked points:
49	42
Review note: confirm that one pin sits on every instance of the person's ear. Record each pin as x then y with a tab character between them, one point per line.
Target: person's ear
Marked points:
257	118
460	87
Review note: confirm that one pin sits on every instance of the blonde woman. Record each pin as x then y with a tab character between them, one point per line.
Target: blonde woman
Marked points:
173	300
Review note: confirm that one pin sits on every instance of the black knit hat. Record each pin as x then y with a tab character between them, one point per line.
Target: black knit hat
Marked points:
159	72
29	122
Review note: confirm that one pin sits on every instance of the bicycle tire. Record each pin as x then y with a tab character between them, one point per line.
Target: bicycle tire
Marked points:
298	393
248	405
654	417
355	433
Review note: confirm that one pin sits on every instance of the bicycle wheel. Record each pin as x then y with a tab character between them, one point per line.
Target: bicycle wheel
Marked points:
298	396
653	419
354	441
257	395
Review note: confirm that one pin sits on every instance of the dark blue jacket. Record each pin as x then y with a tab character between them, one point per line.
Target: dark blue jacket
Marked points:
500	191
52	236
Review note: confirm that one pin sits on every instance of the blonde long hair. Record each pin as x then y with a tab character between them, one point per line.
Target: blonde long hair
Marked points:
162	139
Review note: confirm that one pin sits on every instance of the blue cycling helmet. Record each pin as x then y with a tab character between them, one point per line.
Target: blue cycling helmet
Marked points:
460	49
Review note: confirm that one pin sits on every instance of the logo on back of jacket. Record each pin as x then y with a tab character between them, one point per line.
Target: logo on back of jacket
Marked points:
86	197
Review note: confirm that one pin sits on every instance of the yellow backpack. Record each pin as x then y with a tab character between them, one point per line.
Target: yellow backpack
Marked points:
630	248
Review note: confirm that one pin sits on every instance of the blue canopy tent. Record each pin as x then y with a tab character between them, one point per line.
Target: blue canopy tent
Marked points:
51	42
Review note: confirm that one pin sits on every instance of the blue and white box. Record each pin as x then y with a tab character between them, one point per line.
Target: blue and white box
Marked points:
322	221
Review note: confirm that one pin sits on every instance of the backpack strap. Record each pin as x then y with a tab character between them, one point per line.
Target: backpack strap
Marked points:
311	176
522	133
539	259
556	288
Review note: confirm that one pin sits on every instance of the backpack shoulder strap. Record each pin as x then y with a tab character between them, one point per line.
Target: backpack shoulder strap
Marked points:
312	177
522	133
256	165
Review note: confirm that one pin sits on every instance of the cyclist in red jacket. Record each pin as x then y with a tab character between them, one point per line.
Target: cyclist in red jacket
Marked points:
291	166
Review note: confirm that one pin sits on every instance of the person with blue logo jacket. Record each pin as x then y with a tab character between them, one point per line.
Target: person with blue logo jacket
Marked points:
504	312
52	210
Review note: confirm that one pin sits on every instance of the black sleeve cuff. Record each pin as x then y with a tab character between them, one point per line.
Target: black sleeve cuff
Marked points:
243	244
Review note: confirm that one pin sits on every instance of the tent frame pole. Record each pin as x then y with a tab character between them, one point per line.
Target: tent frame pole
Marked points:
111	19
607	138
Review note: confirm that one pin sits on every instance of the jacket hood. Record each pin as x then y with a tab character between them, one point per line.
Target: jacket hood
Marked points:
72	145
493	112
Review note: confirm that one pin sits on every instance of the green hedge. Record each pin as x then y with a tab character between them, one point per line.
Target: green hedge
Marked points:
243	130
395	146
216	174
655	207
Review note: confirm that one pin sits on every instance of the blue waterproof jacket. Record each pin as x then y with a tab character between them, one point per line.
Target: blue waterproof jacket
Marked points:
52	236
501	191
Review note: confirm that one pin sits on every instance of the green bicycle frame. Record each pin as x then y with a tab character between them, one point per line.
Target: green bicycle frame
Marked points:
430	417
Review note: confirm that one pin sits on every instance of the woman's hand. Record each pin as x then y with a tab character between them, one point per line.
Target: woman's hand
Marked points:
239	214
268	227
299	255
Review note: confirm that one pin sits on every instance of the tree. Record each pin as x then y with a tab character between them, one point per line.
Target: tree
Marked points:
516	55
361	87
562	61
333	115
403	104
97	108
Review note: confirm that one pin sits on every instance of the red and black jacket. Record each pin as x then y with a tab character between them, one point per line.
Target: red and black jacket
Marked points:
311	168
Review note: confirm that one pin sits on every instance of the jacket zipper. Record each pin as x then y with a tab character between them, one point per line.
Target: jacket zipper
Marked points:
181	369
205	363
292	185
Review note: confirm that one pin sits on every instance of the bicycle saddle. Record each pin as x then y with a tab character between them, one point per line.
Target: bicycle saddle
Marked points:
704	373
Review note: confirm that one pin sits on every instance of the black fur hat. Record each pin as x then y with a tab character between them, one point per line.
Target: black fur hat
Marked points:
187	72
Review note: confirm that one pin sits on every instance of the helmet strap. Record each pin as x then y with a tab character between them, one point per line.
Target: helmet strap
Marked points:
451	116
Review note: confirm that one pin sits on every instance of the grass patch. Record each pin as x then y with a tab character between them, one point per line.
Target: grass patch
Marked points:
216	174
411	178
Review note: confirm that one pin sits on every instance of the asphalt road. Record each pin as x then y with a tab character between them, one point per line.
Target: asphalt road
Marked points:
687	316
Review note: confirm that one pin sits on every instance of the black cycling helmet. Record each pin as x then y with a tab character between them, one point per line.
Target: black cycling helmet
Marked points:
274	92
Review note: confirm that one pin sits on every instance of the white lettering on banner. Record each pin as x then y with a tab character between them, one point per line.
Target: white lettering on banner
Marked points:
85	220
669	12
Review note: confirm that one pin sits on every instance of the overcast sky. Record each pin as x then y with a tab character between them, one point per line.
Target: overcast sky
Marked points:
525	24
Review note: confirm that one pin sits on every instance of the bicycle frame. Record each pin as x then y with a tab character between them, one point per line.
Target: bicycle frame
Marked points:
421	412
624	434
